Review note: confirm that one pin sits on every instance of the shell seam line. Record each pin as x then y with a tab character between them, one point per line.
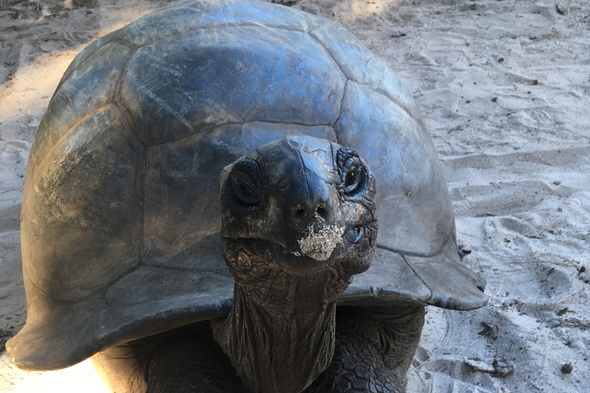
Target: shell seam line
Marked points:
414	116
98	108
67	74
344	92
57	302
69	131
117	93
235	124
419	277
126	116
396	101
346	79
118	40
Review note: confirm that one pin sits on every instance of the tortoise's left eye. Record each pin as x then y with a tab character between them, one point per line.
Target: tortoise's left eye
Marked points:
353	175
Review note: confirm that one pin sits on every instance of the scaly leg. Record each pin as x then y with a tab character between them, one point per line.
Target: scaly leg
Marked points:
374	348
185	360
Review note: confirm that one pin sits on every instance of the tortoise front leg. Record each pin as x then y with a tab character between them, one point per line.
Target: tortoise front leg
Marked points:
374	348
184	360
192	367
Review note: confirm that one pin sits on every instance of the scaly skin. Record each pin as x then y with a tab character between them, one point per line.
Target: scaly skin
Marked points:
173	370
181	360
374	348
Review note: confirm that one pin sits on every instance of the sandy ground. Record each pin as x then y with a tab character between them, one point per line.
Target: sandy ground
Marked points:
504	86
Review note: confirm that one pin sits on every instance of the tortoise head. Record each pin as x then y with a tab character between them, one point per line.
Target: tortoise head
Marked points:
298	204
298	221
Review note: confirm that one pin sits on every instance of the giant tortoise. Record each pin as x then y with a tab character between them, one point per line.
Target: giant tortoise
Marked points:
201	191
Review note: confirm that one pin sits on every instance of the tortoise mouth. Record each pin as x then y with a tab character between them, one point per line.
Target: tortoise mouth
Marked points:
315	250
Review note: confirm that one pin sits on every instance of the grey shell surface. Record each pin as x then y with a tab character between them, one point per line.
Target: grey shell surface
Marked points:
121	216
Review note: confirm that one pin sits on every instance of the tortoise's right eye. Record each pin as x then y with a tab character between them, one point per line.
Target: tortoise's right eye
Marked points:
245	189
244	182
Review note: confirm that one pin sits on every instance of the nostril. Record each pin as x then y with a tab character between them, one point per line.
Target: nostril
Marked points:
300	214
322	212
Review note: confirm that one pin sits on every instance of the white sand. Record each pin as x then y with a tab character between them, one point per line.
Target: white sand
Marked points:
504	86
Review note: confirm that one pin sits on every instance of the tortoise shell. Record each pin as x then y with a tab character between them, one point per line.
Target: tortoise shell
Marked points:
121	213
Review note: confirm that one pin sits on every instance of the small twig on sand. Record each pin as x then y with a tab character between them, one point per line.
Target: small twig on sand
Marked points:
534	383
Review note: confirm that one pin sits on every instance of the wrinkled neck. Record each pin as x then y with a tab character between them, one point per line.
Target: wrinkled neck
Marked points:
282	346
